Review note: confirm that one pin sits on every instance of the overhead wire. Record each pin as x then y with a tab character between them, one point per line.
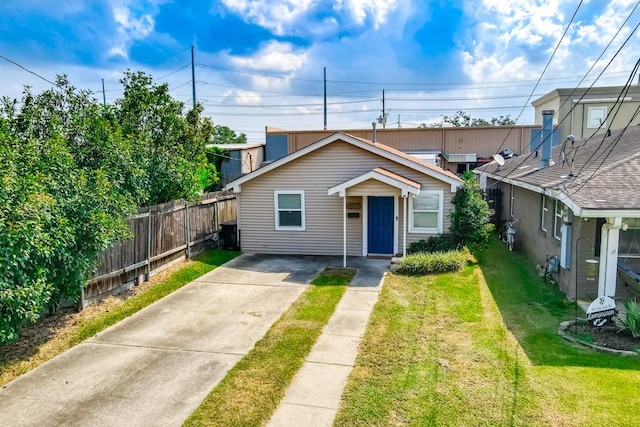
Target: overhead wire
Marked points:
575	102
616	140
533	151
28	70
575	12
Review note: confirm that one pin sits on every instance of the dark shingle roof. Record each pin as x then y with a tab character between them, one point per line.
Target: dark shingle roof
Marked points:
606	171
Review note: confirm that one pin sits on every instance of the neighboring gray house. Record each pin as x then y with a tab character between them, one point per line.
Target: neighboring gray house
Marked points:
343	195
576	202
241	160
581	111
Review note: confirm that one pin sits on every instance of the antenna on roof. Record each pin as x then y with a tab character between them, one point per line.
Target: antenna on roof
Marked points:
568	156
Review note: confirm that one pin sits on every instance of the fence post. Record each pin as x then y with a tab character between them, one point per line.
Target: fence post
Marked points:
215	222
149	244
188	230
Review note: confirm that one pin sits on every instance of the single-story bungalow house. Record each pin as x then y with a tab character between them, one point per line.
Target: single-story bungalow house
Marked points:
577	205
342	196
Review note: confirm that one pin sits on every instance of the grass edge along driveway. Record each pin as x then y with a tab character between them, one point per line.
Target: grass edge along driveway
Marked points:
252	390
86	328
480	347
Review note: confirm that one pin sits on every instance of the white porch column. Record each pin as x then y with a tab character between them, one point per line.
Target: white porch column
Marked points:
607	277
404	225
344	228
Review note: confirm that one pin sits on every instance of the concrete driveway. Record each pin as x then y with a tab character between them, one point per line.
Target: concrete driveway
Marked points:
155	367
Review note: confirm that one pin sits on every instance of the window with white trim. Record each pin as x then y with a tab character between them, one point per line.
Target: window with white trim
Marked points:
545	212
596	117
557	219
289	210
629	243
426	212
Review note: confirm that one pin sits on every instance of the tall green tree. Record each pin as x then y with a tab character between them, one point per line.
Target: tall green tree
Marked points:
463	119
225	135
60	206
166	144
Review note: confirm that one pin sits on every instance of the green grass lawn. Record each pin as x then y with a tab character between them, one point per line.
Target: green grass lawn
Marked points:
480	347
203	263
253	388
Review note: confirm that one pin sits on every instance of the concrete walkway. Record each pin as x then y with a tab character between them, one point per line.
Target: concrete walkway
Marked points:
155	367
314	397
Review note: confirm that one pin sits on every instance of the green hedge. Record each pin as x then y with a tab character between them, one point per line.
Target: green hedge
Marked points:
436	262
438	243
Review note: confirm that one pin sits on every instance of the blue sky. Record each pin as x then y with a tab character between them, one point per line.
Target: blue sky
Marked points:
260	63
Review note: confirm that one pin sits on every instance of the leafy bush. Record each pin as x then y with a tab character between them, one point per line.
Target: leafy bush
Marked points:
631	321
470	218
436	262
439	243
72	170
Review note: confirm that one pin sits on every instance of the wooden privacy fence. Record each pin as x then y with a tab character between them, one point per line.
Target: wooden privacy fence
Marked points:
162	234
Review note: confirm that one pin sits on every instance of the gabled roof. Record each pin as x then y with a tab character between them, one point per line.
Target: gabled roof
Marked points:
376	148
405	185
605	179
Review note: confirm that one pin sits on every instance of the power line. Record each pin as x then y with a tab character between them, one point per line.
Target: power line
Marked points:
171	73
618	137
254	73
575	12
620	96
602	71
485	84
28	71
288	105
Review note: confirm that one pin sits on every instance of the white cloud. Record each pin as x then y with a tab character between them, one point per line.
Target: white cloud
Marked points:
286	17
360	10
130	27
277	16
273	56
242	97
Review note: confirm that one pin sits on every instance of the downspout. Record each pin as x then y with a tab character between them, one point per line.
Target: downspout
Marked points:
547	138
344	229
404	226
610	235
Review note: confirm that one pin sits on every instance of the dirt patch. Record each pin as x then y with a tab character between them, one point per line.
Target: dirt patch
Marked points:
53	326
606	337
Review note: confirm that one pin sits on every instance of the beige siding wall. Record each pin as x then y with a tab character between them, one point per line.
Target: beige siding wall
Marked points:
373	187
576	123
315	173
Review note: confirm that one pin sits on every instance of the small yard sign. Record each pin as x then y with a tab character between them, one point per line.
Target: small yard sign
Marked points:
601	312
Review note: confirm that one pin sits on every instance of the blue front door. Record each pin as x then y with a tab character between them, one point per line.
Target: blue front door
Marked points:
380	225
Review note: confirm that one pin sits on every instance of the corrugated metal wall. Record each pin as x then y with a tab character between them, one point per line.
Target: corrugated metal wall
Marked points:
484	141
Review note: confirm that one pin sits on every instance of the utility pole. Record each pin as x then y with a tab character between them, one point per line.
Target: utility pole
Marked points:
193	78
399	125
325	98
104	95
384	115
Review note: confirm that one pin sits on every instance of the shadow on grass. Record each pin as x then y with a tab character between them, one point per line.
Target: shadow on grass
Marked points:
532	309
